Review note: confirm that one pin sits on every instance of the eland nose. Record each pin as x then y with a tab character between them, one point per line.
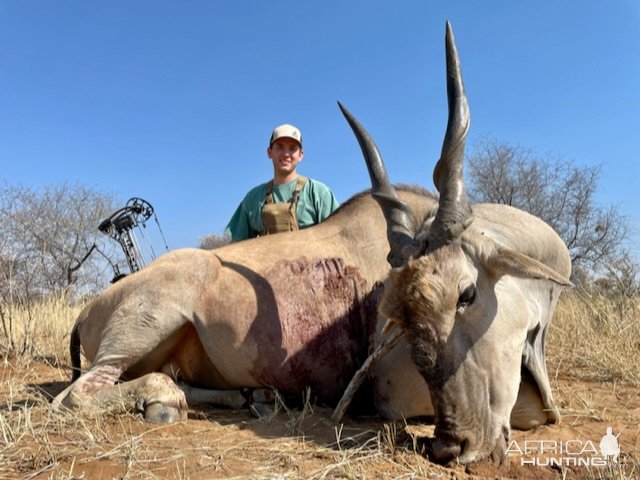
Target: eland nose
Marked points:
445	452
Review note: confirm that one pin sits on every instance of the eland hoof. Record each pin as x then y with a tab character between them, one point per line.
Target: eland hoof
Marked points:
160	413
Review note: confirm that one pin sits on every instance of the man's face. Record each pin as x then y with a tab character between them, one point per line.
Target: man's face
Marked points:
285	153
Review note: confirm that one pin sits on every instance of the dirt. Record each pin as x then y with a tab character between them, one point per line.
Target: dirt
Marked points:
302	443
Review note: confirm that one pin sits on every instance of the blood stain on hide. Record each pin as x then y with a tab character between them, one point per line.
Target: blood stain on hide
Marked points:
319	333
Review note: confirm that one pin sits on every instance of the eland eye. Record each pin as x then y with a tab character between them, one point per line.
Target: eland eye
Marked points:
467	296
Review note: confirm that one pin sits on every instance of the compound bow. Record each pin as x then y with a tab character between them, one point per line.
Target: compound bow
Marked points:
121	226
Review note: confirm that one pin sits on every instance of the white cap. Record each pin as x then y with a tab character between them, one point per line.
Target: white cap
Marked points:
286	131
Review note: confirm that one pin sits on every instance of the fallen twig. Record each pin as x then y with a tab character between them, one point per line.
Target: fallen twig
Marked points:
362	373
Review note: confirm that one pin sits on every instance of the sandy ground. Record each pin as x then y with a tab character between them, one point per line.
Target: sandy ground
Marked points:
214	443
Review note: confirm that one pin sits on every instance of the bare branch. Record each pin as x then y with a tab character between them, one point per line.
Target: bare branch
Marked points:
46	234
558	191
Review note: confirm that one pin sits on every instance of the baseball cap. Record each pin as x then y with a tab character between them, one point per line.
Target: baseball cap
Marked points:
286	131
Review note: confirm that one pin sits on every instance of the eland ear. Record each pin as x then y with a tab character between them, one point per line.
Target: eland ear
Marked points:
502	260
512	262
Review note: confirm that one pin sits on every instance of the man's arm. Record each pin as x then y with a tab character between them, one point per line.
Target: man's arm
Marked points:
246	221
239	227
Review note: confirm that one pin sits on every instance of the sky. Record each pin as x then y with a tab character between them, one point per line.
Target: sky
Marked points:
174	101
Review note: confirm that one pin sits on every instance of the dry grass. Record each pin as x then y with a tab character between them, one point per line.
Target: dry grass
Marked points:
593	339
596	338
38	330
39	444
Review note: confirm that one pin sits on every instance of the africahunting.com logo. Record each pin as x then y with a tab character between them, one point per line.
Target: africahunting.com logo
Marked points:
568	453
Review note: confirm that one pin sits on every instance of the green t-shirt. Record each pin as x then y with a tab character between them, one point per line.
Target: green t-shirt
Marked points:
315	203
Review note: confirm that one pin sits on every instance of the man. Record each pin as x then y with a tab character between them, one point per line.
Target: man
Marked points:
609	446
289	201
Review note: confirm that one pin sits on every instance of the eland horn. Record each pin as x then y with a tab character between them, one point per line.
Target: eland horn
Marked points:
454	212
400	229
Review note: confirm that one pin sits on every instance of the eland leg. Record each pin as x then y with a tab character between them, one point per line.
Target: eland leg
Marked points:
154	394
116	354
259	401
